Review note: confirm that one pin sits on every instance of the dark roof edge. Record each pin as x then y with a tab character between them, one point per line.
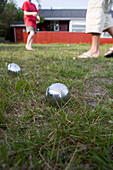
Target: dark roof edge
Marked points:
62	9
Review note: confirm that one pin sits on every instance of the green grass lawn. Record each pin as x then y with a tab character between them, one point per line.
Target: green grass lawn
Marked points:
34	134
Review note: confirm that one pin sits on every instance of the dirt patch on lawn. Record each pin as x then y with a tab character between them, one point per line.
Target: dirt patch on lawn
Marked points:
97	90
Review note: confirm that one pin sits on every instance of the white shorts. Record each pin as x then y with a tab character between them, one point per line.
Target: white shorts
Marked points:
98	18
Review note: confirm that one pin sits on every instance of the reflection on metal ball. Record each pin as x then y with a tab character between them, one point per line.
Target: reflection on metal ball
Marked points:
13	69
57	94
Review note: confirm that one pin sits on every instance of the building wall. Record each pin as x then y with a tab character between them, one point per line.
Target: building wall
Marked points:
18	34
63	25
56	25
61	36
77	25
71	25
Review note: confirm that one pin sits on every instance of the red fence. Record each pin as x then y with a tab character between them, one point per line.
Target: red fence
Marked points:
64	37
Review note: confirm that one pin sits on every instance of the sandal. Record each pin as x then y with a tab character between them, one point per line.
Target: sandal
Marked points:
86	55
109	54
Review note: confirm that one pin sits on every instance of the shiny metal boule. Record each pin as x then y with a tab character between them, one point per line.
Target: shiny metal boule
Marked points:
57	94
13	69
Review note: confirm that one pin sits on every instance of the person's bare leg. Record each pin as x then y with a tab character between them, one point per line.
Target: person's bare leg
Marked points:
94	50
110	31
30	40
30	43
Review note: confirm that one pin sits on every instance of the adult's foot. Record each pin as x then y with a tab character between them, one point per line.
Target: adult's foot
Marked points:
89	55
109	54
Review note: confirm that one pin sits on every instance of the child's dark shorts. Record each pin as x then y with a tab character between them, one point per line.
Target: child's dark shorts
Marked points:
30	28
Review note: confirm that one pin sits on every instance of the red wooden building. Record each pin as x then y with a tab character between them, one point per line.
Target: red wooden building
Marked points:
60	26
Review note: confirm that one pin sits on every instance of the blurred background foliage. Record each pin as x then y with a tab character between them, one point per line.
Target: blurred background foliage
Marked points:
9	13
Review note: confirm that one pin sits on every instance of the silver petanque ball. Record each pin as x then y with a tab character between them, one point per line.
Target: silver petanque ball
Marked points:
57	94
13	69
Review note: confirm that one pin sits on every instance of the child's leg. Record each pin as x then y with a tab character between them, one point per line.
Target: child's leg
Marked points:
30	40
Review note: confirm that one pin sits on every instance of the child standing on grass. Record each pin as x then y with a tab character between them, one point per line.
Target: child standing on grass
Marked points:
30	16
98	19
